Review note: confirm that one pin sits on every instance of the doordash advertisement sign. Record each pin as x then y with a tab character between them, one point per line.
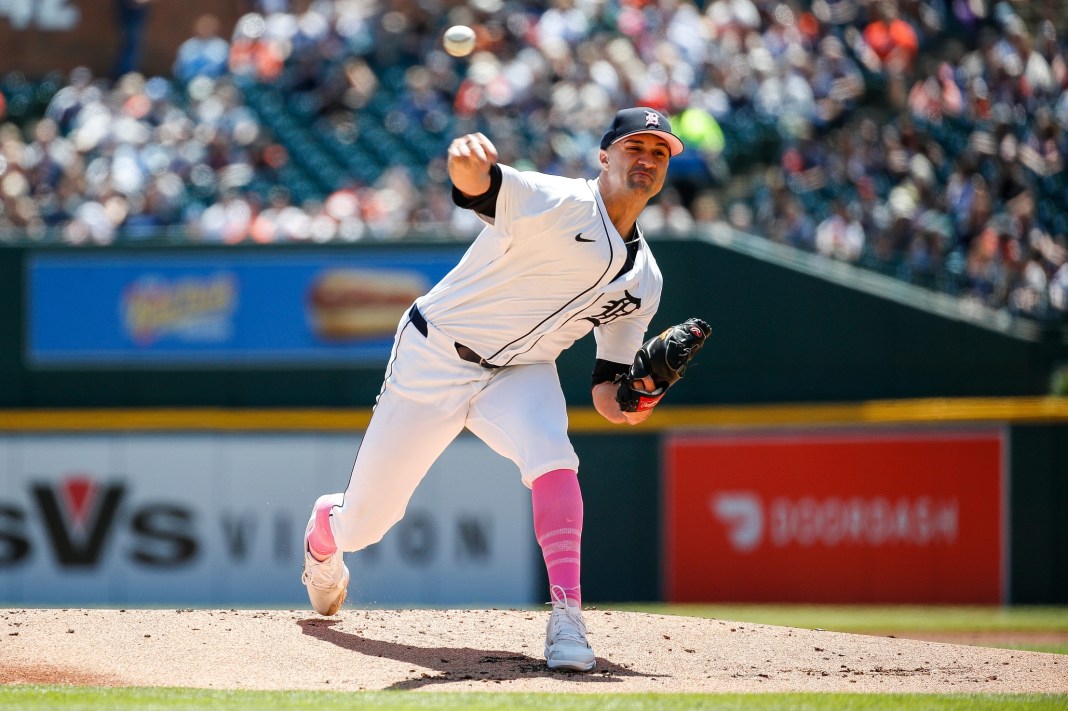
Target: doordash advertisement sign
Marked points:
866	517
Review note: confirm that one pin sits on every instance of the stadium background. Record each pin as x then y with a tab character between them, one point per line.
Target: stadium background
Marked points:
889	329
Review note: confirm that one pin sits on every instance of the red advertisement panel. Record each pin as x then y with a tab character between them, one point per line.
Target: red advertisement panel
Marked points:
885	517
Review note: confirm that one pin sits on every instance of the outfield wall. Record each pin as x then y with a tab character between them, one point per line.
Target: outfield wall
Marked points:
948	501
216	518
240	327
184	344
931	501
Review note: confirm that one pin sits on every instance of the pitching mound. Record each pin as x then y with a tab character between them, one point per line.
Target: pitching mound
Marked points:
463	650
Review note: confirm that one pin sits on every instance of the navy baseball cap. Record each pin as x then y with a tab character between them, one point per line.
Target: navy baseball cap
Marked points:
641	119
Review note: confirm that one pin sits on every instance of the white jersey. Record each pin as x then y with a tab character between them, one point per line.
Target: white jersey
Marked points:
542	274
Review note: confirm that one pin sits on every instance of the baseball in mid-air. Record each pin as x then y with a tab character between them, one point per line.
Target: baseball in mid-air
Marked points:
459	40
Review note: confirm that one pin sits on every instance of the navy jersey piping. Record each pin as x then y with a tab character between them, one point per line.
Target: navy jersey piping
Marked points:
611	256
381	390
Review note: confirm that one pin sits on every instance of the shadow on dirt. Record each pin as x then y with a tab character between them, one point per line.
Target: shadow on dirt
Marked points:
455	664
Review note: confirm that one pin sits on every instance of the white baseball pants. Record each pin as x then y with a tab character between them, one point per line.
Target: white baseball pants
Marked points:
428	397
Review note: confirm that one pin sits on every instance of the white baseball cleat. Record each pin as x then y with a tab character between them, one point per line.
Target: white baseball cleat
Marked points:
327	580
566	646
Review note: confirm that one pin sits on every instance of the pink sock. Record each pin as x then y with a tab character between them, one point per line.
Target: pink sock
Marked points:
320	537
557	503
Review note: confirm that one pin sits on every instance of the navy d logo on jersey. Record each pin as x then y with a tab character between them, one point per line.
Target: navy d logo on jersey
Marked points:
615	308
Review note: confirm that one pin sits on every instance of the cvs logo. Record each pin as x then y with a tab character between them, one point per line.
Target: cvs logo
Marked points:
79	516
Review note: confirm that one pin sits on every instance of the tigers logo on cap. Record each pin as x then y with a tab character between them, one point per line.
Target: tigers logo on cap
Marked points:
641	119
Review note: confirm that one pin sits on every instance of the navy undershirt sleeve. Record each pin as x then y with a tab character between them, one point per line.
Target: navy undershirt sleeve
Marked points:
605	371
486	203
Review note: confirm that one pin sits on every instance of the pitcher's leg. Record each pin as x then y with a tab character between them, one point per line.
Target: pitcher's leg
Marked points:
522	415
402	441
421	408
557	502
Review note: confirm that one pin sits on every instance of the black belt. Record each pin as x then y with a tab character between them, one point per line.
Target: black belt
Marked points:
471	357
463	351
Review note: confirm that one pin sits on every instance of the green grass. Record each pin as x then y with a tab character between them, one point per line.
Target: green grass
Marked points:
899	620
1047	648
63	698
878	618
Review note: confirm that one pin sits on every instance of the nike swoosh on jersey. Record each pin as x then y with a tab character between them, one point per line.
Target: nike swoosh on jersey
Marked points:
580	238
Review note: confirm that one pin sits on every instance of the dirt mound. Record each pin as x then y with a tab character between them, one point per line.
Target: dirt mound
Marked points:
489	650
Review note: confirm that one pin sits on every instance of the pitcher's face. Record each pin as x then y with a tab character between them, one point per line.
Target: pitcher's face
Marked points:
636	164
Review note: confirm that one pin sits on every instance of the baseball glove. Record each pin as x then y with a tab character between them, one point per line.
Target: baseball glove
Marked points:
664	359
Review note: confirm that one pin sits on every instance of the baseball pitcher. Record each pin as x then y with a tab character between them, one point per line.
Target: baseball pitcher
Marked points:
558	257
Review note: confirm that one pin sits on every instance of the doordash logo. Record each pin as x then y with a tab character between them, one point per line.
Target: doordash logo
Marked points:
835	521
742	513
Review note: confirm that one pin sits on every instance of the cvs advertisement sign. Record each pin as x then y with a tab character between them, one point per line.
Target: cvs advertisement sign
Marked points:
867	517
128	518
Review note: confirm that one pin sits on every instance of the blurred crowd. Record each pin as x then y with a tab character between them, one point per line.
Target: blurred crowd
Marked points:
921	138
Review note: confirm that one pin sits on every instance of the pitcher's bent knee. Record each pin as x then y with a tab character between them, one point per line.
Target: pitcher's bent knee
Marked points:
358	526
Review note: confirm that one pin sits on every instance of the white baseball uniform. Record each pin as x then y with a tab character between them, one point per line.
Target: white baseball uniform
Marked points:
544	271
